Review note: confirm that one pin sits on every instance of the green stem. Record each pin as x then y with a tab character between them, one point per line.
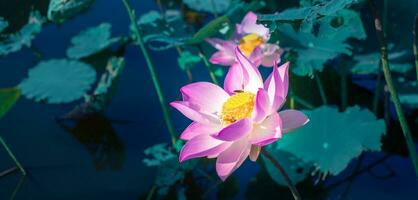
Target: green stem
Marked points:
321	89
18	187
302	101
391	86
210	68
12	156
414	31
153	74
292	187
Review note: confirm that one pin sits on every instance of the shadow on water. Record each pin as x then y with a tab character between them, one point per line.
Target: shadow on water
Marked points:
97	135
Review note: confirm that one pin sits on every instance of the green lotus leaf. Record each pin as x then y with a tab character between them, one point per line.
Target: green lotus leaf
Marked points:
212	6
8	97
315	49
332	139
91	41
60	10
14	42
309	12
211	29
58	81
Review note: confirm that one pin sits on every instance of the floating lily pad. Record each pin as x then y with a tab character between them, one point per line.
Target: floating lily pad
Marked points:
332	139
60	10
58	81
212	6
8	97
14	42
91	41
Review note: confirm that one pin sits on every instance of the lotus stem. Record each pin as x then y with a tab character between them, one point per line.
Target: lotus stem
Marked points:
391	86
321	89
18	187
301	101
4	144
289	183
153	73
209	66
414	32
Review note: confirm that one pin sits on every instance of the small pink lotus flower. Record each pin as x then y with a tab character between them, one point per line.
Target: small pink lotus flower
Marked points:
234	124
252	39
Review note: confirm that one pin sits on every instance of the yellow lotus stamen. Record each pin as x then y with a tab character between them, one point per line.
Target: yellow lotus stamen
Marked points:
249	42
238	106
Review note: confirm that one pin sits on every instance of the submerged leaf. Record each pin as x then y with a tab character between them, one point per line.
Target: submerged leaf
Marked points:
187	60
8	97
159	153
16	41
60	10
332	139
91	41
58	81
296	169
212	6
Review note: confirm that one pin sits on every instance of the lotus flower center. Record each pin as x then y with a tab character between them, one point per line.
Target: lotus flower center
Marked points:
238	106
249	42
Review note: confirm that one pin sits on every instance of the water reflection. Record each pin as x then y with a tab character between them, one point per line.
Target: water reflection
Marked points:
96	133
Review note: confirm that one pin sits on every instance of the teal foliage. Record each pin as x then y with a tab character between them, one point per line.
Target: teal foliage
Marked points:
309	12
170	171
210	30
91	41
3	24
58	81
14	42
8	97
296	168
212	6
408	92
161	33
315	49
332	139
187	60
159	154
98	100
370	63
61	10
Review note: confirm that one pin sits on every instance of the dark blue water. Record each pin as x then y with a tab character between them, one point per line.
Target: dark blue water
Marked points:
108	164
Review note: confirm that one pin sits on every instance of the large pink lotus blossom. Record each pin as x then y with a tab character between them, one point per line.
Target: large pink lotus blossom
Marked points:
232	126
252	39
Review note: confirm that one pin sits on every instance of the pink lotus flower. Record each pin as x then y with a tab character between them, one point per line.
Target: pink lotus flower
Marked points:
231	126
252	39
